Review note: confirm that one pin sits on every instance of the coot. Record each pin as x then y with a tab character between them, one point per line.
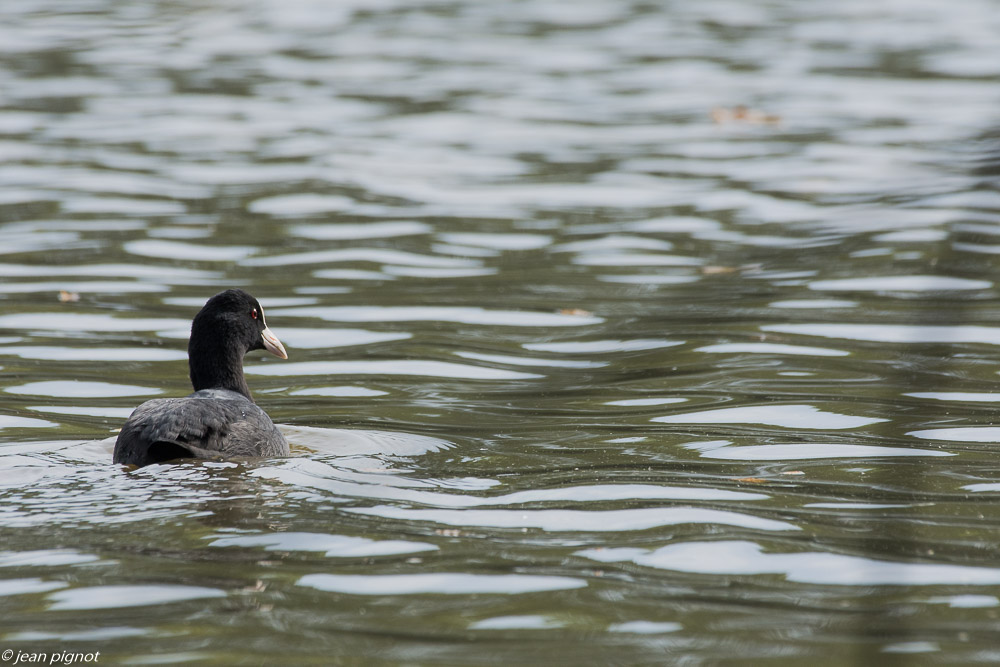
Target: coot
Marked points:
220	419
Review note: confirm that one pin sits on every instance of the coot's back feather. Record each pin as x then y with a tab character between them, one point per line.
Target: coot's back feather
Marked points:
206	424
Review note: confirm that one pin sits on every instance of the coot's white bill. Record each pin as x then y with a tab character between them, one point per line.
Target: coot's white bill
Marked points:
272	344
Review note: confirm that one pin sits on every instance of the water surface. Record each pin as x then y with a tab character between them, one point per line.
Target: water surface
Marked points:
622	333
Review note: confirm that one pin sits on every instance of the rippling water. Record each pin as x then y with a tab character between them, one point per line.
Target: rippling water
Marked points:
619	332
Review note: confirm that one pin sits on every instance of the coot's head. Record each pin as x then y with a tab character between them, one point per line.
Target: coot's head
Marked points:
233	321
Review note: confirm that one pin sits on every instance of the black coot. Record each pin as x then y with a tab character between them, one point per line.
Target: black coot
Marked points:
220	419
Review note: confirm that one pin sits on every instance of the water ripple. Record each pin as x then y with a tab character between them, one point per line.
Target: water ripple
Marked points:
734	557
464	315
786	416
114	597
388	367
669	208
578	520
441	583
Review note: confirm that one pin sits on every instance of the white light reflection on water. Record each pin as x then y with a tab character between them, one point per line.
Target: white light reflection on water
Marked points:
188	251
603	346
957	396
818	304
894	333
45	558
579	520
75	323
338	546
389	368
463	315
57	353
12	421
739	557
24	586
95	635
786	416
499	241
79	286
432	272
899	284
647	401
88	411
168	274
525	622
772	348
115	597
377	255
301	204
960	434
966	601
367	230
441	583
339	391
805	450
645	627
635	259
615	242
80	389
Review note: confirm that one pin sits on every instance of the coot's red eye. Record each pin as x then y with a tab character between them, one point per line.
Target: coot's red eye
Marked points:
253	313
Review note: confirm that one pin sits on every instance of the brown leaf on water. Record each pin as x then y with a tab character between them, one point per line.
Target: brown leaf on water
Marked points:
579	312
743	114
715	270
718	270
751	480
67	297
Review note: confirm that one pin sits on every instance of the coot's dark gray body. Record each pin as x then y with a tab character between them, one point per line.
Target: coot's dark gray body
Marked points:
211	423
220	419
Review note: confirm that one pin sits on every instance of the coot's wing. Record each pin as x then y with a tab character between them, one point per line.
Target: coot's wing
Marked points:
211	423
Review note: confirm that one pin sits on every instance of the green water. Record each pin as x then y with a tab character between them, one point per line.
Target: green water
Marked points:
587	366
